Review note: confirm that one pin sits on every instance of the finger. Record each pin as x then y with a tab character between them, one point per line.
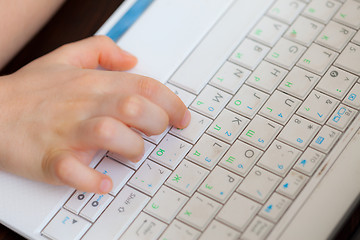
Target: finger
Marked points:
69	170
94	51
108	133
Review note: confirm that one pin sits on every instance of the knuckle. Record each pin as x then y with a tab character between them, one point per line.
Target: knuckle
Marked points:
148	87
104	129
131	107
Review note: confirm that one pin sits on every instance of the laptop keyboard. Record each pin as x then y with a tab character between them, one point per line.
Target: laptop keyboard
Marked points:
260	129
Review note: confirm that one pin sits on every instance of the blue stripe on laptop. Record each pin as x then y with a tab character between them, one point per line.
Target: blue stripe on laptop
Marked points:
128	19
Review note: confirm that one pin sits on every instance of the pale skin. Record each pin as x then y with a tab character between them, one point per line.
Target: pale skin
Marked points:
59	110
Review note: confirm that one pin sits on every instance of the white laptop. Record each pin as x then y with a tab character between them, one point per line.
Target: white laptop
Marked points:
273	148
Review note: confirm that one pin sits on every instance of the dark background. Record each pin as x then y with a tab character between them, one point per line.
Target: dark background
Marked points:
78	19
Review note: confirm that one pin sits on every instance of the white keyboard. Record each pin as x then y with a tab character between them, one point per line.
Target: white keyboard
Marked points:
262	123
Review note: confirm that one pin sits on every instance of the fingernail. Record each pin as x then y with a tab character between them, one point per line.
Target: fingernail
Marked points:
186	119
105	186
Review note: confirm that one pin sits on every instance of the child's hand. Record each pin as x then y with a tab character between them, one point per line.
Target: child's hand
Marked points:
58	111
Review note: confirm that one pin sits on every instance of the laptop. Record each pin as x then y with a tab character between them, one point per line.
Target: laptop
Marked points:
272	151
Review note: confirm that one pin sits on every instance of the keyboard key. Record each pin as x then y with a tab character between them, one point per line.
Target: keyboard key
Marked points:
247	101
249	54
78	201
240	158
335	36
298	132
285	53
259	184
279	158
228	126
187	177
292	184
149	177
353	97
119	215
166	204
156	138
238	212
325	139
299	83
304	31
96	206
220	184
195	129
349	59
258	229
309	161
286	11
280	107
317	59
207	151
179	230
318	107
66	225
144	227
217	230
266	77
356	39
230	77
342	117
321	10
260	132
268	31
349	14
275	207
199	211
185	96
170	151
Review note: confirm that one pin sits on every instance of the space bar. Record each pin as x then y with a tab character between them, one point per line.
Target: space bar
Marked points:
218	44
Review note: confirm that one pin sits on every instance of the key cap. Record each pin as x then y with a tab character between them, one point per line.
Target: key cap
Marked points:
349	59
266	77
119	215
279	158
185	96
304	31
210	101
118	173
187	177
96	206
228	126
268	31
166	204
349	14
335	36
207	151
238	212
299	83
199	211
170	151
317	59
342	117
318	107
259	184
309	161
325	139
356	39
220	184
298	132
258	229
285	53
336	82
292	184
78	201
260	132
217	230
156	138
179	230
321	10
280	107
144	227
286	11
240	158
249	54
149	177
134	165
194	130
275	207
353	99
230	77
66	225
247	101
